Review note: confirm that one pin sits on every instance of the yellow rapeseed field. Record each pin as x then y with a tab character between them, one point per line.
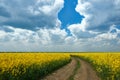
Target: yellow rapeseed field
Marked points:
29	66
106	64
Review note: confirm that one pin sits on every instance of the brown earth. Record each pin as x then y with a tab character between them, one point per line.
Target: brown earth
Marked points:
85	72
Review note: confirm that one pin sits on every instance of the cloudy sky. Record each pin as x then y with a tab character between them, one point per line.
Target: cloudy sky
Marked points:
60	25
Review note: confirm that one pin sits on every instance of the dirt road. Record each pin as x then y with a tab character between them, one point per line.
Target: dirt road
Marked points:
84	72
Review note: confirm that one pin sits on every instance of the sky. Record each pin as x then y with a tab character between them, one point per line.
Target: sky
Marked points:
60	25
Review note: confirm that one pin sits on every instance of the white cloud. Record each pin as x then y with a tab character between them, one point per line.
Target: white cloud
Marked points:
30	14
56	40
52	36
30	40
54	8
99	14
78	32
98	31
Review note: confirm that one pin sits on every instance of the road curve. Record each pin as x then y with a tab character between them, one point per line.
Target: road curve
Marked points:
85	72
63	73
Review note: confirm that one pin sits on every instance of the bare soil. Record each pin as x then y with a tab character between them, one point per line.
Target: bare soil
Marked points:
85	72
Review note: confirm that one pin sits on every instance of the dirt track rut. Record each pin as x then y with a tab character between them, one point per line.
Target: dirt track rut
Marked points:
85	72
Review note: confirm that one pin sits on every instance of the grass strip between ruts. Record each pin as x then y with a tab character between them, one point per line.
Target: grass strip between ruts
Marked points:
75	70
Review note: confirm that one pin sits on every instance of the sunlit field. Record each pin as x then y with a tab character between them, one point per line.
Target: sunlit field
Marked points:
32	66
29	66
106	64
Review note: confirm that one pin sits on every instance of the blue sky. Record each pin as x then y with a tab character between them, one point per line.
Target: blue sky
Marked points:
68	14
60	25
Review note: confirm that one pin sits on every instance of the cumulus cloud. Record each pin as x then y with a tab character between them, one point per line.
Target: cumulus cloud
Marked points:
17	37
99	14
34	26
77	31
30	23
90	40
32	14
